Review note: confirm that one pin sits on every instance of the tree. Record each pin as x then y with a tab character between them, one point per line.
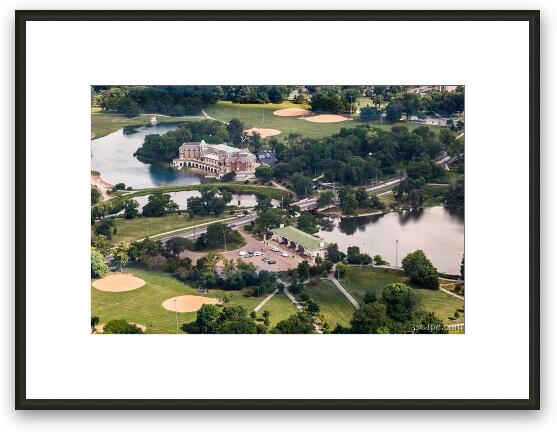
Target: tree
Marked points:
333	253
210	201
235	129
131	209
158	205
255	142
235	320
420	269
394	111
101	244
263	204
375	203
308	223
341	269
369	318
454	197
96	195
271	218
216	236
229	176
174	246
369	114
264	172
302	185
401	301
362	197
300	323
121	326
206	319
303	270
106	227
325	198
428	323
348	201
378	260
120	254
98	266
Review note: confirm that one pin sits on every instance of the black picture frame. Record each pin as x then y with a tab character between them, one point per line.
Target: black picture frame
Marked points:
533	401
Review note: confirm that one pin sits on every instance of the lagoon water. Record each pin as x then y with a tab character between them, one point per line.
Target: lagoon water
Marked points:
439	232
112	156
181	197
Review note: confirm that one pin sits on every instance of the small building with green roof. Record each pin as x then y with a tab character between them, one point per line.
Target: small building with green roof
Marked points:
300	241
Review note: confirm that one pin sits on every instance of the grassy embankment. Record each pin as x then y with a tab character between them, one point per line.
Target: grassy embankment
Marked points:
279	307
144	305
261	116
333	305
358	281
103	123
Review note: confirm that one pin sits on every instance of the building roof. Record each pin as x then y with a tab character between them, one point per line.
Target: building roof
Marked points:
267	157
302	238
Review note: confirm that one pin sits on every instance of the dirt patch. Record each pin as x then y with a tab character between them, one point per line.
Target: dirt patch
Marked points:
292	112
263	132
326	118
118	282
187	303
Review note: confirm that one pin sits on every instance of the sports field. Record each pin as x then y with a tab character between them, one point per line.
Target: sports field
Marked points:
145	305
358	281
261	116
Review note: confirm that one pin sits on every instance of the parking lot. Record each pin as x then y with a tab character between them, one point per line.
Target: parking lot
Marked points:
282	263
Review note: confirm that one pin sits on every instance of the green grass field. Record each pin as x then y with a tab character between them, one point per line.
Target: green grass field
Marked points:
358	281
134	229
105	123
144	305
280	308
433	194
334	306
261	116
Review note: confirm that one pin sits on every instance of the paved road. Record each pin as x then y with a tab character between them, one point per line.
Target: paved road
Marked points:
343	291
192	233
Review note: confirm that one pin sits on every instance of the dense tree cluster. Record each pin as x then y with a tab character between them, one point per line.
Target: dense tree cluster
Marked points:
354	156
159	204
454	197
217	236
98	265
255	94
233	319
165	147
171	100
95	195
210	201
420	269
121	326
334	99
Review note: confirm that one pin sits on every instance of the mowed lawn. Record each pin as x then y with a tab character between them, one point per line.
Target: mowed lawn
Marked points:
279	307
261	116
144	305
134	229
105	123
358	281
334	306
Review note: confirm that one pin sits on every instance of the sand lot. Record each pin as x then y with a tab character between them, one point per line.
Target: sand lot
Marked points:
292	112
263	132
118	282
188	303
100	327
326	118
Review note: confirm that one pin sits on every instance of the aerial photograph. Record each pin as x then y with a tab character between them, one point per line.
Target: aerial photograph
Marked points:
277	209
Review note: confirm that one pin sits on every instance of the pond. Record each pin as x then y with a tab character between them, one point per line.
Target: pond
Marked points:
180	198
112	156
439	232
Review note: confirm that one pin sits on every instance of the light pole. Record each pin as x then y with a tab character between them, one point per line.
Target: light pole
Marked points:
176	312
224	235
396	255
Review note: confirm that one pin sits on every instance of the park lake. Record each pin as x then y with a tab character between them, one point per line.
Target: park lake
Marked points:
439	232
112	155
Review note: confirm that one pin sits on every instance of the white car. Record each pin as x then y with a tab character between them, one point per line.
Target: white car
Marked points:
284	254
274	249
257	253
242	253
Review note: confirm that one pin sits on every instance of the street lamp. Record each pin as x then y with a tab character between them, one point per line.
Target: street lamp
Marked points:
396	255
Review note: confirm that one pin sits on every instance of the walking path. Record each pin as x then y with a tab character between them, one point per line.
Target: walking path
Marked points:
212	118
346	293
298	305
450	292
461	135
265	300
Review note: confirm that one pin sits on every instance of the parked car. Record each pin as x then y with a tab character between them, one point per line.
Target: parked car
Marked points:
274	249
265	259
257	253
284	254
271	262
242	253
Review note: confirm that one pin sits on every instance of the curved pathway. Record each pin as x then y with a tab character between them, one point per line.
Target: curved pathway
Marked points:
344	291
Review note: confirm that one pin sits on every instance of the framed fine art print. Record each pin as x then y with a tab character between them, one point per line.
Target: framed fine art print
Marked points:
332	206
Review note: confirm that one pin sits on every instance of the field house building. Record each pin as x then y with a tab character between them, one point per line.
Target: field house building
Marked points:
302	242
215	158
